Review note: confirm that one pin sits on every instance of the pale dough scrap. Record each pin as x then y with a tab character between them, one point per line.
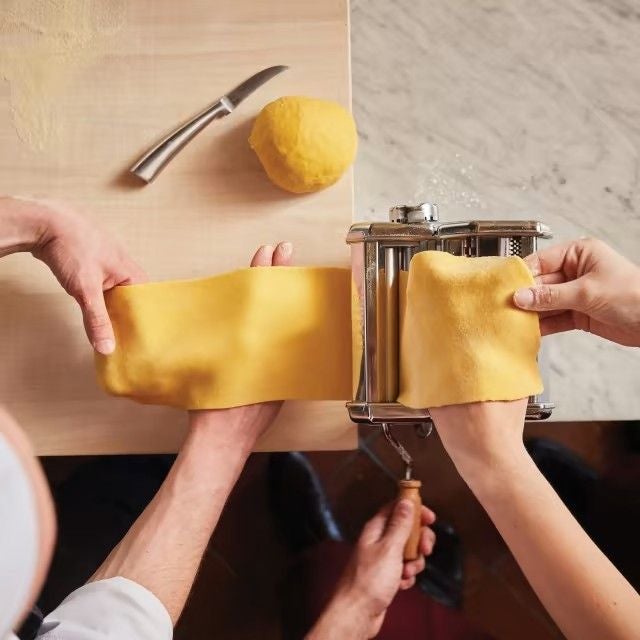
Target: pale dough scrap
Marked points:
462	338
271	333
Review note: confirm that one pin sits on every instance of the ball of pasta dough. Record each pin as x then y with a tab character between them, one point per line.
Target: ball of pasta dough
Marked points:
304	144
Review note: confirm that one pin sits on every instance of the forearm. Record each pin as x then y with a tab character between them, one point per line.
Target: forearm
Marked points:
163	549
22	225
342	618
577	584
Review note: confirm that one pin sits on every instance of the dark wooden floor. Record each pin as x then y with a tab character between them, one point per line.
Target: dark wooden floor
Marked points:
237	593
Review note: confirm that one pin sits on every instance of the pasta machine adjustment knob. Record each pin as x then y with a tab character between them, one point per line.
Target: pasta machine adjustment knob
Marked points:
414	214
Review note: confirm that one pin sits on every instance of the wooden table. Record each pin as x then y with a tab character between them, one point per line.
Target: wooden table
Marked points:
205	214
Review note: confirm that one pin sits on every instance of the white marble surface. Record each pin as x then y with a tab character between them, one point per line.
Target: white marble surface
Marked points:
511	108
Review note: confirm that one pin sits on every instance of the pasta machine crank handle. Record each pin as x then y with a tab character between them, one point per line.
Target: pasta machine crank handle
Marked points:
408	489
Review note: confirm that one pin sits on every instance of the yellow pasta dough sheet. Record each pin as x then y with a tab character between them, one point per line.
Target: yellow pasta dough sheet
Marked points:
285	333
248	336
462	339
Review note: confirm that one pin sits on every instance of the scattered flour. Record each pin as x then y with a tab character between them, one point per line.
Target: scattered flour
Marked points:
44	45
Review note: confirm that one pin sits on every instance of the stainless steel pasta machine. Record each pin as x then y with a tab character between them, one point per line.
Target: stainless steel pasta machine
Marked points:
379	252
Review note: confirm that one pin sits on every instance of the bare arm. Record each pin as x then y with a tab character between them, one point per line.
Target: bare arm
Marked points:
580	588
84	259
21	227
585	285
375	573
163	549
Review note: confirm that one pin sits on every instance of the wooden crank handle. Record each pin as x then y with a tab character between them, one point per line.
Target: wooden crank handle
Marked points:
410	490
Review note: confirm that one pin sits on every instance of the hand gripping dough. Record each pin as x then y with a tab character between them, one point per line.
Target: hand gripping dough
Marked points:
462	338
261	333
272	333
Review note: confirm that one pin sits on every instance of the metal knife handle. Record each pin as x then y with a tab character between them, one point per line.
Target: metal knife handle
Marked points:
157	158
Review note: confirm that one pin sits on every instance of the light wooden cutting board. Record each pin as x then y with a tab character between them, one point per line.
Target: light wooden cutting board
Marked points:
204	215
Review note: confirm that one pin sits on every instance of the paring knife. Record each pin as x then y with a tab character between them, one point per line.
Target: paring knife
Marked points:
155	160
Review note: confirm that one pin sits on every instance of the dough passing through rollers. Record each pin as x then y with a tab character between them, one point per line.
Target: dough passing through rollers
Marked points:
285	333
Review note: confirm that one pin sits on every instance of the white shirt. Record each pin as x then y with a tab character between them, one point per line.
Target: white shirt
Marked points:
114	609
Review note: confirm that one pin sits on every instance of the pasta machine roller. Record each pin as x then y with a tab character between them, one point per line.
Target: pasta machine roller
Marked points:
379	252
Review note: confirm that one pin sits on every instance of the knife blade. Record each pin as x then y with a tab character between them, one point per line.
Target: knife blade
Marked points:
246	88
157	158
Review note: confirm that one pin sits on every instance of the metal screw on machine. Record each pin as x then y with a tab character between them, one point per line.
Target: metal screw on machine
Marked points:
423	430
410	214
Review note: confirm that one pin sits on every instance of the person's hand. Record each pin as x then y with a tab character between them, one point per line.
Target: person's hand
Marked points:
585	285
251	421
84	259
481	436
376	572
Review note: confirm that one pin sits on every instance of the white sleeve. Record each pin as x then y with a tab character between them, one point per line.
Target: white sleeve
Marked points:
114	609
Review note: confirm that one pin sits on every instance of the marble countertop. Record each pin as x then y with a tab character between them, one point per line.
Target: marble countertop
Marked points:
510	109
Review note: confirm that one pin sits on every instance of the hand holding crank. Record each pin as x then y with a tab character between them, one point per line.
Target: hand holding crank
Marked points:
375	574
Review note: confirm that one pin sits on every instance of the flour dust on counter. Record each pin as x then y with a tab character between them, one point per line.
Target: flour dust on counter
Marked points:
44	47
